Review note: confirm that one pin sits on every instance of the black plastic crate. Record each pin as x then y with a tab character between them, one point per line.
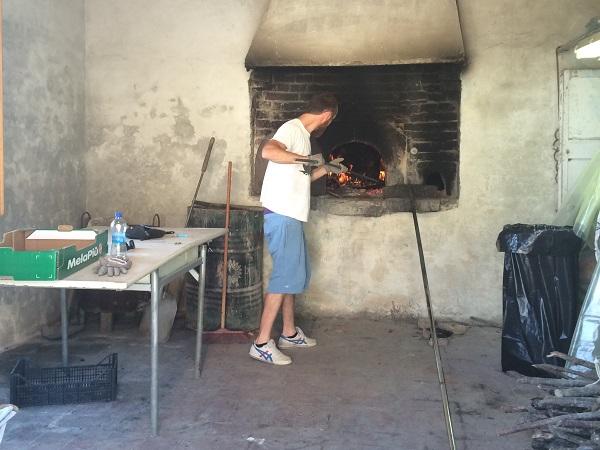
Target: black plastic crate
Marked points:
34	386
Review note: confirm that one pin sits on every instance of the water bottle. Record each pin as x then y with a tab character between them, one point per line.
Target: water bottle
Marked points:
118	245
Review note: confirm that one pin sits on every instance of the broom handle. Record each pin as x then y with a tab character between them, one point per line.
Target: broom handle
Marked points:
226	247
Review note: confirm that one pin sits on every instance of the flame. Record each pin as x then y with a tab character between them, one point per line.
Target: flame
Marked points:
343	178
346	179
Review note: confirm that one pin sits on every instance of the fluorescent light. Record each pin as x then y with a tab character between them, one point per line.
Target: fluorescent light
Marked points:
589	47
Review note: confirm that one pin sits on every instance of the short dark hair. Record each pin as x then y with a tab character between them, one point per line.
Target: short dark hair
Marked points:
321	103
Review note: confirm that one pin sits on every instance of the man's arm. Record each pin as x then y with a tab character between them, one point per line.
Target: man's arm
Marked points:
277	152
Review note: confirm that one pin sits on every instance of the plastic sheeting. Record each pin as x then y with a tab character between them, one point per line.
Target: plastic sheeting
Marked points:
582	210
597	239
583	204
539	294
6	413
586	341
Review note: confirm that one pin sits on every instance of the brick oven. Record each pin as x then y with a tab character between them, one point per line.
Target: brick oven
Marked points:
397	128
395	67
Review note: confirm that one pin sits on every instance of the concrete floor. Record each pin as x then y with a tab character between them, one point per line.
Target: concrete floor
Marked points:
370	384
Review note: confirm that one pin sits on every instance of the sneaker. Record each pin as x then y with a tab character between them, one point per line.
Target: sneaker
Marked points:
270	354
300	340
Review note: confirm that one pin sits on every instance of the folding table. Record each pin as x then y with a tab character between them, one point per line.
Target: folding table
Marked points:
156	263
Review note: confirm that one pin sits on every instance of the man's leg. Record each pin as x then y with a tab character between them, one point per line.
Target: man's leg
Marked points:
292	336
264	349
287	311
270	309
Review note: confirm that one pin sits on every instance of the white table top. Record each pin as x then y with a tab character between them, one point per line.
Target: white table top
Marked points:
147	256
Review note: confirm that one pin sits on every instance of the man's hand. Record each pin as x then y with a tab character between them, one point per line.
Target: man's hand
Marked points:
336	166
312	160
317	161
113	266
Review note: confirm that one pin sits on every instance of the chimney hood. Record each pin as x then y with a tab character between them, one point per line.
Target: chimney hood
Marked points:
357	33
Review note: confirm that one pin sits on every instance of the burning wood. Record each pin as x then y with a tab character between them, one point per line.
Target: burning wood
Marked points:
344	178
365	168
569	416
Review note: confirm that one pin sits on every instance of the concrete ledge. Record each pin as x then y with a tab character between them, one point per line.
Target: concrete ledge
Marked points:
376	207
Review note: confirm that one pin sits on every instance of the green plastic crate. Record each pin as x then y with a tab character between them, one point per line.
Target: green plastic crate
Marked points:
20	264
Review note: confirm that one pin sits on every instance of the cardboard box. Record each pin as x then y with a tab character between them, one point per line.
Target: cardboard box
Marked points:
49	254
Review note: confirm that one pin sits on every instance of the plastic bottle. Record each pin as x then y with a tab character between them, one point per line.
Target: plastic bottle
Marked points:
117	236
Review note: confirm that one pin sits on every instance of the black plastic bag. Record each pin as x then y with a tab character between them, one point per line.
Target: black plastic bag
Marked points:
143	232
539	294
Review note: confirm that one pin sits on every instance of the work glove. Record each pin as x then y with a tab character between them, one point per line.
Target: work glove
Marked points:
113	266
336	166
314	161
310	162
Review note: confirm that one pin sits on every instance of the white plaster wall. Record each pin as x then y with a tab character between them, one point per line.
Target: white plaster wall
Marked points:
163	76
44	173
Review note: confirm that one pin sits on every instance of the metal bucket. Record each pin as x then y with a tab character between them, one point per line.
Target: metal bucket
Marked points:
244	277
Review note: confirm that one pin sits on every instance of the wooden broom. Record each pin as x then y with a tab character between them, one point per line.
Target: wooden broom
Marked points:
223	335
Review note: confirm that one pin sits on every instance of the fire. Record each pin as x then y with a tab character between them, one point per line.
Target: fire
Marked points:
343	178
364	174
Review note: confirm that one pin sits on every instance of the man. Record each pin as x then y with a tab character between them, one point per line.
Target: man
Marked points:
285	196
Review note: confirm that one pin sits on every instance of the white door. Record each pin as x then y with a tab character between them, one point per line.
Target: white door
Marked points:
579	124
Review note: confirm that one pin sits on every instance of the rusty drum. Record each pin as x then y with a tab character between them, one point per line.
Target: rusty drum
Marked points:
244	277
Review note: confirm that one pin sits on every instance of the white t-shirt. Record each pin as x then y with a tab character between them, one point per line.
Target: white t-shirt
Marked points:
285	189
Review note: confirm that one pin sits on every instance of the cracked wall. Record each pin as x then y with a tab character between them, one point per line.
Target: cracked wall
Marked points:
162	80
43	139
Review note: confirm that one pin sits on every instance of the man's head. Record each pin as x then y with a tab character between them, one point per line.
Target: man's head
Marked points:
324	107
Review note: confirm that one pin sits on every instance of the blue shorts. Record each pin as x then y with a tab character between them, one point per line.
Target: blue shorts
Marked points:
287	246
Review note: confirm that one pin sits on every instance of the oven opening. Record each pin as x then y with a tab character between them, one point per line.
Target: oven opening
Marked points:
366	171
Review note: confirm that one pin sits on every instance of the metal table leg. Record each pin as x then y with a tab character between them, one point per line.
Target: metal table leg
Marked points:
64	324
155	298
200	321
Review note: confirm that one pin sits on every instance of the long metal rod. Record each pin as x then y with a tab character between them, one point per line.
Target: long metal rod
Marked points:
349	172
204	167
64	327
200	320
436	348
226	247
364	177
154	299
